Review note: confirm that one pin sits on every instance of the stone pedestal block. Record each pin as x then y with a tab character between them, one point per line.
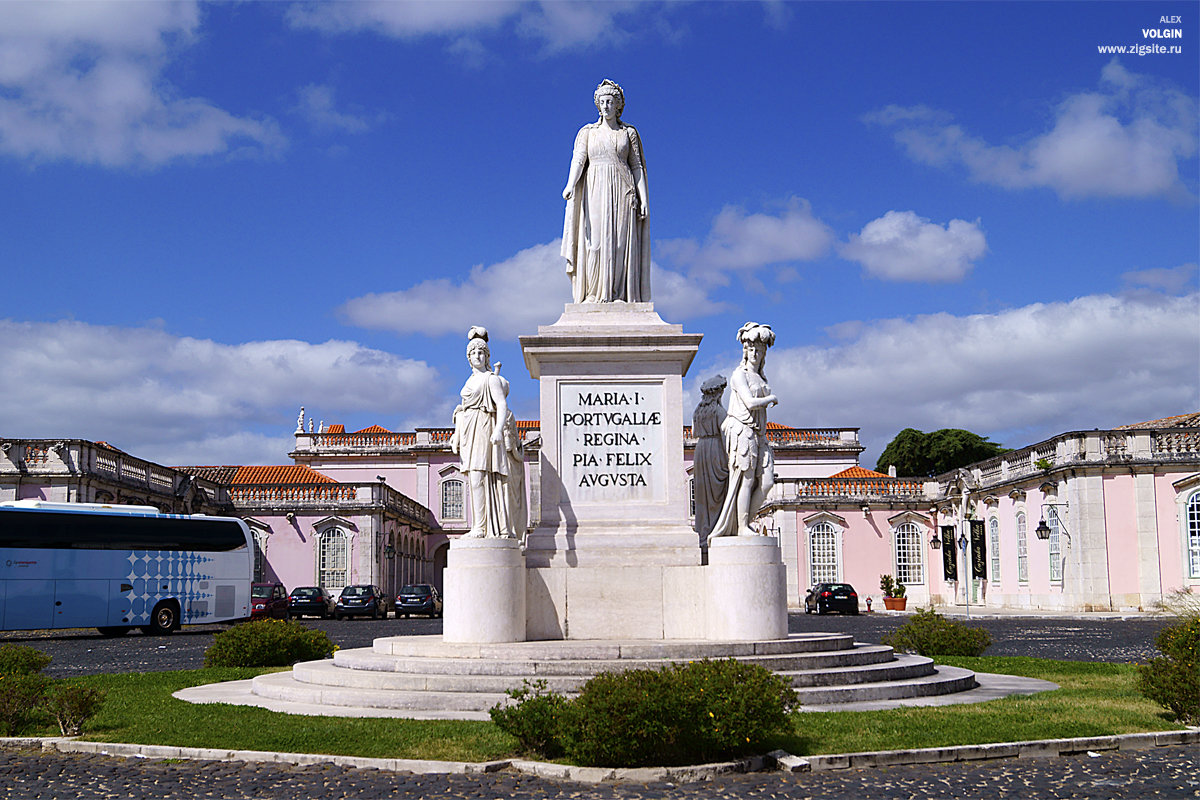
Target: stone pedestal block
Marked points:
746	589
484	584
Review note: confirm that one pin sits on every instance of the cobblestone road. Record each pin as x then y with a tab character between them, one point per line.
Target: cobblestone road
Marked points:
85	652
1165	772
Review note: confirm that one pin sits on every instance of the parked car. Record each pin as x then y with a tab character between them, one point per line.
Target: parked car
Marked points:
362	600
268	600
419	598
826	597
311	601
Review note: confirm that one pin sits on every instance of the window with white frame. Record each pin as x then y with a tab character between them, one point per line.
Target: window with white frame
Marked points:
1193	535
910	564
1022	550
692	498
452	499
260	556
823	554
333	554
1056	564
994	549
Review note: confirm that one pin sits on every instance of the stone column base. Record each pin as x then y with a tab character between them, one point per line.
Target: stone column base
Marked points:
484	584
746	589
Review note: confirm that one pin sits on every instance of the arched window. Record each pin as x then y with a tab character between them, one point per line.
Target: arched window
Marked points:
910	567
260	556
823	554
1193	535
1056	562
452	499
994	548
1022	550
333	554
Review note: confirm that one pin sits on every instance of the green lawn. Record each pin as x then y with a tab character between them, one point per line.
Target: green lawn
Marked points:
1095	700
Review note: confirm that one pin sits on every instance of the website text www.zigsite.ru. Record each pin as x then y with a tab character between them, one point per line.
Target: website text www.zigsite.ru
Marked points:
1146	47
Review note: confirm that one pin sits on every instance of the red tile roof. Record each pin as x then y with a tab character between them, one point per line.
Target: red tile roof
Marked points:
372	429
858	472
288	473
336	429
1178	421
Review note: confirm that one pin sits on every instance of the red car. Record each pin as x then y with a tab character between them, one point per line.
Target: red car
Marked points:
269	600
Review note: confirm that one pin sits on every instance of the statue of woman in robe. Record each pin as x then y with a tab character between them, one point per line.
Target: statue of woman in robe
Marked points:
710	466
751	461
489	447
605	238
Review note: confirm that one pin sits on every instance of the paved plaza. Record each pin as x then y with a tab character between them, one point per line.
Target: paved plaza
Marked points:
1165	772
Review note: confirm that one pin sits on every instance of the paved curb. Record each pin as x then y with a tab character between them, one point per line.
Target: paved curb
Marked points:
777	759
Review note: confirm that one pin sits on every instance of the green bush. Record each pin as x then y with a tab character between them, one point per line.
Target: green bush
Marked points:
1173	680
17	659
683	714
71	706
267	643
21	696
928	633
535	719
889	587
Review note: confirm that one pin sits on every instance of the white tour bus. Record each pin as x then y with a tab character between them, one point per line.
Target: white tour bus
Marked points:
113	568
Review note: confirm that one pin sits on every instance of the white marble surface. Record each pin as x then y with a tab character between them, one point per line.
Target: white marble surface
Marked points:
484	584
746	585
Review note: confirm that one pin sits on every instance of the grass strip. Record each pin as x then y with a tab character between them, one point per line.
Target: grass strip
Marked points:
1096	699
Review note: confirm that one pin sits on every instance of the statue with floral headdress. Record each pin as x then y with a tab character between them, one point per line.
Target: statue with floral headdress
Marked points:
605	240
749	455
488	445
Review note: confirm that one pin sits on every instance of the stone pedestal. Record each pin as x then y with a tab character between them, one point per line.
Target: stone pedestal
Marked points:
613	550
746	589
484	584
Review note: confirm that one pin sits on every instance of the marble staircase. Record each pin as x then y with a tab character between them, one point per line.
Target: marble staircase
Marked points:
424	677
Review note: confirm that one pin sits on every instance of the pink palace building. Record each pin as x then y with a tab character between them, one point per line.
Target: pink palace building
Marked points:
1084	521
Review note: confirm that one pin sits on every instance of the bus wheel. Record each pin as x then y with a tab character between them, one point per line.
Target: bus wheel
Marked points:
114	630
164	619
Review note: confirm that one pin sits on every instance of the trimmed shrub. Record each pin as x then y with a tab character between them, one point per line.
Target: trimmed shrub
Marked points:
683	714
21	696
1173	680
928	633
71	706
17	659
535	719
267	643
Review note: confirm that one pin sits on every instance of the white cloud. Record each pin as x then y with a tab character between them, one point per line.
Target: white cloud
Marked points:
556	25
901	246
1126	139
509	298
741	241
82	81
1019	375
1172	280
317	104
178	399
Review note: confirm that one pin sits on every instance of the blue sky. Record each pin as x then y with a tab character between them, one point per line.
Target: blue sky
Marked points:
953	214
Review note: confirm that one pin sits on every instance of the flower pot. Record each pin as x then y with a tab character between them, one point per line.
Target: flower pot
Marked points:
895	603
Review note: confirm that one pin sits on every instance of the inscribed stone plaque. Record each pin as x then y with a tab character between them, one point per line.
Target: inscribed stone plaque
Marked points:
611	442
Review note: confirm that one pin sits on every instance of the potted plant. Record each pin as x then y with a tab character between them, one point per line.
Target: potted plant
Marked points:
893	593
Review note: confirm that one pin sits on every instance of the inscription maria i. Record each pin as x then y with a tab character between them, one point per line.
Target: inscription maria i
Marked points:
611	442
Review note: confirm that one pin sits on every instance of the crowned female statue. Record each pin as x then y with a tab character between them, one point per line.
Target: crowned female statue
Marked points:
750	458
605	240
489	447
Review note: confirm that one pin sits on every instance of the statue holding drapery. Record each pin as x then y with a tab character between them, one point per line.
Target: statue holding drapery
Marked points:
605	240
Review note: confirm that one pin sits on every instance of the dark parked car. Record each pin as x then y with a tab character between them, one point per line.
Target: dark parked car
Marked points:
419	598
268	600
362	600
826	597
310	601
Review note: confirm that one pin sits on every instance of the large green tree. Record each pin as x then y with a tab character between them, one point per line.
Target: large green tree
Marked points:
918	454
